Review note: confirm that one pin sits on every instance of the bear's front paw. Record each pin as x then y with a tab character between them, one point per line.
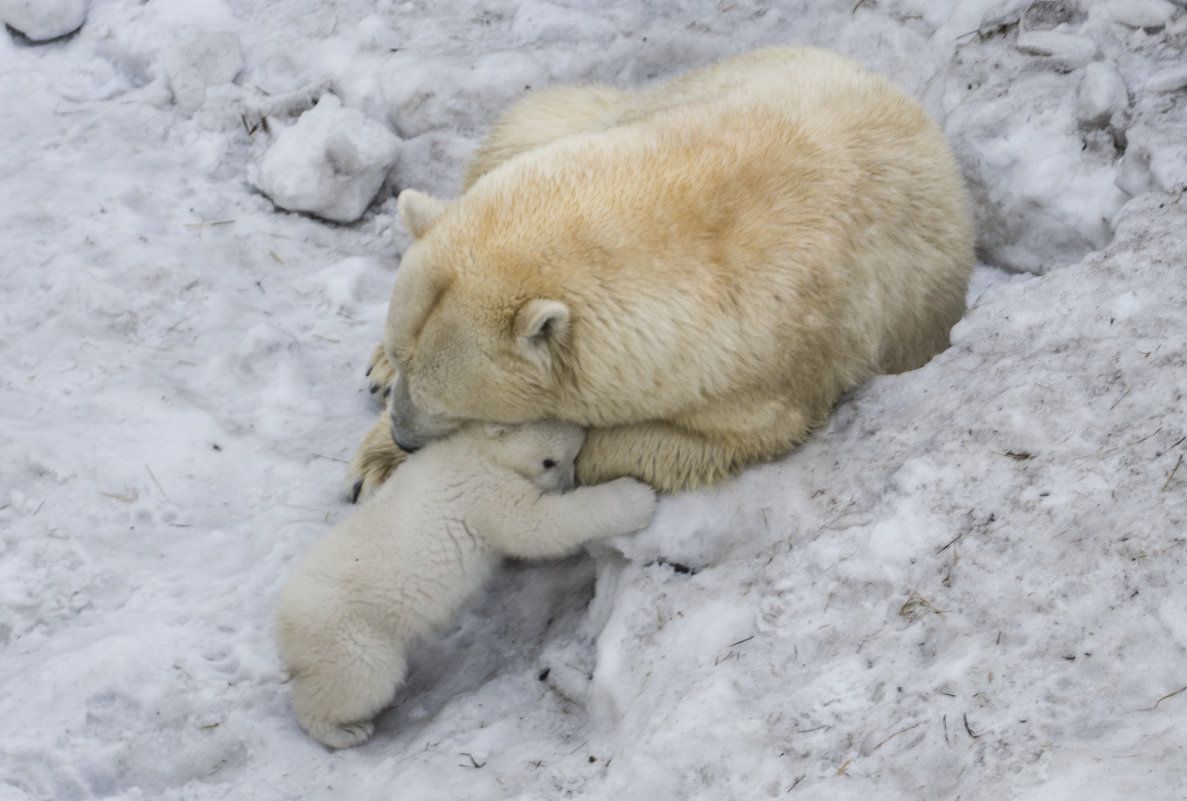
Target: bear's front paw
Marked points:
637	500
340	735
380	373
375	460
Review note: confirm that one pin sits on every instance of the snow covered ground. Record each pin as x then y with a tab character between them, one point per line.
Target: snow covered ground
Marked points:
971	584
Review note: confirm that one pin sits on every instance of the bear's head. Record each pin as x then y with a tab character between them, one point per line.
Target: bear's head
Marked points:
544	452
472	330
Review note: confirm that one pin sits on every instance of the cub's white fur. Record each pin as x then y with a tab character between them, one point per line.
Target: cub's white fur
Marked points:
403	565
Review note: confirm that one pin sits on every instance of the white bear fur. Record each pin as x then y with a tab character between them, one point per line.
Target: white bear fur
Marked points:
696	271
403	565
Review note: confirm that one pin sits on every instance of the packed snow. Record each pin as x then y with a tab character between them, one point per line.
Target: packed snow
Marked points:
331	162
972	583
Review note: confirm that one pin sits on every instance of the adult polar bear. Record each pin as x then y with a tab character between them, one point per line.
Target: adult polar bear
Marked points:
695	271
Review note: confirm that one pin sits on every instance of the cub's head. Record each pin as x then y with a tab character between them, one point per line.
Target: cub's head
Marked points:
469	329
543	452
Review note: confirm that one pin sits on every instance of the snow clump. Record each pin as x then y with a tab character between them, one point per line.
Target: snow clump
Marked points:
209	59
330	163
43	20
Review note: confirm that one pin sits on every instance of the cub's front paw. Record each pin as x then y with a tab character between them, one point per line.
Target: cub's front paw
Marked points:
375	460
637	502
380	373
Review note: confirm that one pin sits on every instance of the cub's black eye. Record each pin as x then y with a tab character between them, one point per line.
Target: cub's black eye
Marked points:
549	464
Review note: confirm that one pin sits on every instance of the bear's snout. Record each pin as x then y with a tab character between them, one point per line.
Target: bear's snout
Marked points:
404	446
402	441
410	427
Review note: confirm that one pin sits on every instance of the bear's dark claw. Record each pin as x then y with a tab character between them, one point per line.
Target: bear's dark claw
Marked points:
355	490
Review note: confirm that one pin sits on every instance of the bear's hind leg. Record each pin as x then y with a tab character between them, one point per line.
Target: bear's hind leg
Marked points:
351	683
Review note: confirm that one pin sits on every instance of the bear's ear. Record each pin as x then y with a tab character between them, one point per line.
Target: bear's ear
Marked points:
539	325
418	211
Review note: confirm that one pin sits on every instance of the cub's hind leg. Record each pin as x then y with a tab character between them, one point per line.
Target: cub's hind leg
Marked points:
350	683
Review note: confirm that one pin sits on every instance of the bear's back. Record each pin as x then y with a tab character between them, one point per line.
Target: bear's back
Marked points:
718	206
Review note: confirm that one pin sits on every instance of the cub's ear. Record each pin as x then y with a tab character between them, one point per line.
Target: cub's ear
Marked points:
418	211
539	325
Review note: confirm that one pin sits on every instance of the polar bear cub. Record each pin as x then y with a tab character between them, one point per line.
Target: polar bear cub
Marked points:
405	563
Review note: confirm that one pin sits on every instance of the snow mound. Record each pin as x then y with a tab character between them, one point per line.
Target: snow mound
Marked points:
1039	110
927	594
330	163
1152	14
199	63
43	20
